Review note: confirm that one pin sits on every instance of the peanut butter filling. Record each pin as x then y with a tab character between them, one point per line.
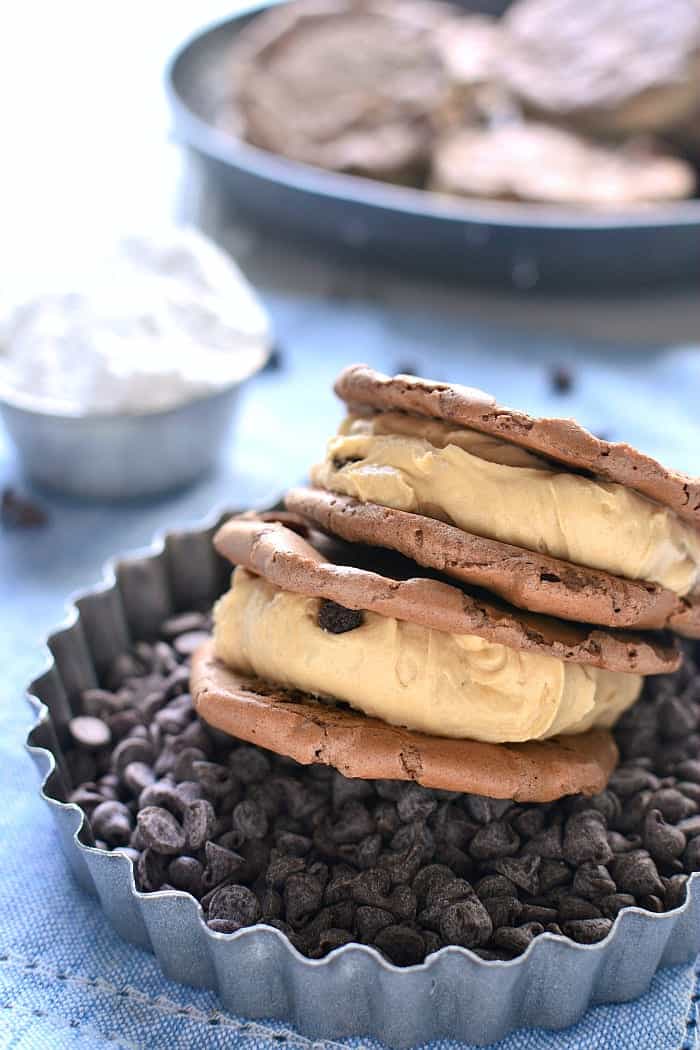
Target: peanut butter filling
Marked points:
497	490
405	674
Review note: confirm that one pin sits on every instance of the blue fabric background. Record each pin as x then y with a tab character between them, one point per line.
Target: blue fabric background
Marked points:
66	980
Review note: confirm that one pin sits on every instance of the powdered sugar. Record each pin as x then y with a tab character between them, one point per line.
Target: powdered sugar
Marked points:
167	318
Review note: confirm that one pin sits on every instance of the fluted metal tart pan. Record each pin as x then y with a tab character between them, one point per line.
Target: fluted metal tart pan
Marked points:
256	972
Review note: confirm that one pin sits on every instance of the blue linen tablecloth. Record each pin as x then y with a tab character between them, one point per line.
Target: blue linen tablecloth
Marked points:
66	980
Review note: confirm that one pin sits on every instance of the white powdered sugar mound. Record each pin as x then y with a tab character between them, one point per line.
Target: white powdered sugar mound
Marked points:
167	318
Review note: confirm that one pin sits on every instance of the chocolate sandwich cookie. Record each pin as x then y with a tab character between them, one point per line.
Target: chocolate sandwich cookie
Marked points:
345	86
615	67
478	693
526	579
349	577
546	486
560	440
531	161
303	728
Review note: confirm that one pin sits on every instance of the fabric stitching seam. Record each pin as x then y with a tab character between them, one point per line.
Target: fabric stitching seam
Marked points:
163	1005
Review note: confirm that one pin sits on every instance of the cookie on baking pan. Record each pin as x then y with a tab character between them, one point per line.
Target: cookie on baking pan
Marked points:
526	579
548	486
613	67
349	87
531	161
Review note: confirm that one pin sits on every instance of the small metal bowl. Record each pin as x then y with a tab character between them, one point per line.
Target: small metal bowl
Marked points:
121	456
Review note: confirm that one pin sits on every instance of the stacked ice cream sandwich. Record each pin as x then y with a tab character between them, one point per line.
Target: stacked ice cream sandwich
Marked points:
468	597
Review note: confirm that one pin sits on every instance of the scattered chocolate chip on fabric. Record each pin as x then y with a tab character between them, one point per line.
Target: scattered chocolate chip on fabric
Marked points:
561	379
19	512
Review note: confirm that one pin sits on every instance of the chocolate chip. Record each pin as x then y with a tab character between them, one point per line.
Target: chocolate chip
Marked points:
161	830
133	749
275	359
664	841
20	512
672	804
613	903
497	839
137	776
592	881
112	821
585	838
337	619
151	870
291	844
250	765
636	873
691	854
520	870
675	890
370	921
182	624
689	769
630	780
517	938
281	867
401	944
430	879
504	911
86	798
198	823
537	913
552	873
220	864
352	824
561	379
303	896
690	826
250	820
186	644
587	931
575	908
466	922
237	904
185	873
89	732
100	702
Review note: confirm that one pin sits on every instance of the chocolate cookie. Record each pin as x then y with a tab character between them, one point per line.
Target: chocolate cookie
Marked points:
346	574
307	730
523	578
559	440
540	163
345	86
614	67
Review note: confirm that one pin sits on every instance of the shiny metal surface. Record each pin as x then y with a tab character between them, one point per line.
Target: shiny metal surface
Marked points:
119	457
256	972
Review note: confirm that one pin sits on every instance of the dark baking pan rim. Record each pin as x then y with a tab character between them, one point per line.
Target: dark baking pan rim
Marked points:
538	243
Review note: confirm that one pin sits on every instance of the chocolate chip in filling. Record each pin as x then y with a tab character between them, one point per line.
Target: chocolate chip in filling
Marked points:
337	619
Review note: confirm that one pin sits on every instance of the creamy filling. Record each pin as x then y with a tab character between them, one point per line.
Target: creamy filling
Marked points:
444	684
497	490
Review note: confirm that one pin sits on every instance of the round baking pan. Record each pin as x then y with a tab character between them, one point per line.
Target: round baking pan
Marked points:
522	246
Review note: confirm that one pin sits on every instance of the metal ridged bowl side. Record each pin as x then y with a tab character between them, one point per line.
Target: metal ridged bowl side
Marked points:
256	972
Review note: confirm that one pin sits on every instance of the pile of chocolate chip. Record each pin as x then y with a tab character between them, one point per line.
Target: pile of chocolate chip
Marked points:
261	839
